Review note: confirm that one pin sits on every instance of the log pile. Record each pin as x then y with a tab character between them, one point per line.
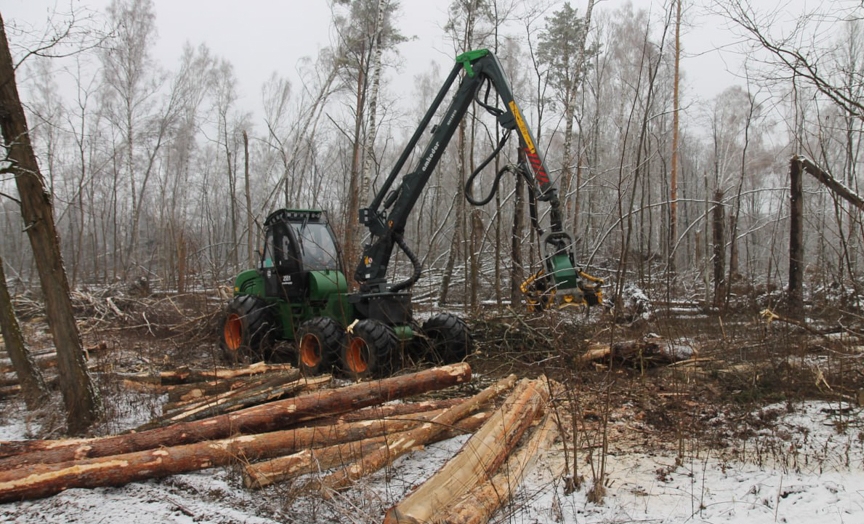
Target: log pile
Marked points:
278	426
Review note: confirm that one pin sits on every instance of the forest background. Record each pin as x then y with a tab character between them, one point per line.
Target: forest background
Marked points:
165	170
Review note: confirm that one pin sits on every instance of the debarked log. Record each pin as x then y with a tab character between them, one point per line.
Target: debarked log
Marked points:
261	474
478	459
478	506
397	446
257	419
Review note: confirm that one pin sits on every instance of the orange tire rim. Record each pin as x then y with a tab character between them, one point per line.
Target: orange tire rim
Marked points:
310	350
356	356
233	332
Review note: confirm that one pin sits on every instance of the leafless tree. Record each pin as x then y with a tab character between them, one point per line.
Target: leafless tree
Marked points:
79	394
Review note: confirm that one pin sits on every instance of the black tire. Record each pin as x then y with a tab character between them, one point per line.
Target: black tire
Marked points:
249	328
370	350
446	339
319	344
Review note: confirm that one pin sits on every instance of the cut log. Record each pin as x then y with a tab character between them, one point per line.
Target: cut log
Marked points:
271	389
398	446
185	394
386	411
185	375
639	352
263	474
42	480
257	419
478	506
478	459
236	388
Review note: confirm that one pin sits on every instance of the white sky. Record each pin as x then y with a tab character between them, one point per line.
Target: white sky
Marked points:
262	36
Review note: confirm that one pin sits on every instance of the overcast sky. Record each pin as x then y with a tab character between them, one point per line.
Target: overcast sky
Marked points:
262	36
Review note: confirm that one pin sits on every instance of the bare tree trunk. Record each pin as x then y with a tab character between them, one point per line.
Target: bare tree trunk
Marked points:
460	213
796	240
232	194
517	274
373	104
733	248
673	176
79	395
30	378
250	217
718	223
351	220
476	242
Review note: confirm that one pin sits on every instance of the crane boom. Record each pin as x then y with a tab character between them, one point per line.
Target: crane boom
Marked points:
388	213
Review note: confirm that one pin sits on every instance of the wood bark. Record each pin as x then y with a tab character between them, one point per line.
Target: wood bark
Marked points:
32	384
263	474
401	445
79	394
477	460
478	506
257	419
43	480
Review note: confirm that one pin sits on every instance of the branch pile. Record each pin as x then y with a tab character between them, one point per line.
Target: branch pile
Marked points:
288	426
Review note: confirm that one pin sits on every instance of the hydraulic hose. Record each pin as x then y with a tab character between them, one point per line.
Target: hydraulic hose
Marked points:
470	182
418	267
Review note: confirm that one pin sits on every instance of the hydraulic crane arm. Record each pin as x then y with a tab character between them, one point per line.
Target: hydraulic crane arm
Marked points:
387	214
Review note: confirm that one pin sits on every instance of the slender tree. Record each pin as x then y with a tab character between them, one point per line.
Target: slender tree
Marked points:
79	394
33	387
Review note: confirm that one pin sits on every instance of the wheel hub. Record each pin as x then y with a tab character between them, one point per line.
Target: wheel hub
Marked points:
233	331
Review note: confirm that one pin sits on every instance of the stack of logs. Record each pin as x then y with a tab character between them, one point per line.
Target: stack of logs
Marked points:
280	426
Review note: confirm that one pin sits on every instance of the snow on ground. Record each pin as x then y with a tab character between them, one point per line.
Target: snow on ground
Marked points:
805	465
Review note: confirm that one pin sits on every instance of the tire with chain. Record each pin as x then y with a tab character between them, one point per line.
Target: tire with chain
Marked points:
249	328
370	350
319	345
446	339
